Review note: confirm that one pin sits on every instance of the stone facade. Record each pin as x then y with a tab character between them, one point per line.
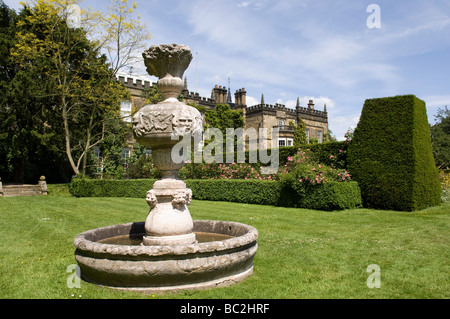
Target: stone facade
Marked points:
257	116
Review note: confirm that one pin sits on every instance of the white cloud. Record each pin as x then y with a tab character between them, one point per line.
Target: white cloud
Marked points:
340	124
252	101
243	4
319	102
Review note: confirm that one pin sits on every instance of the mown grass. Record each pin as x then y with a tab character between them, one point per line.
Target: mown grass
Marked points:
302	253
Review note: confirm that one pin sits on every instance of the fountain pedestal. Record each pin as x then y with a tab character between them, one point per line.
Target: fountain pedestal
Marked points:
161	126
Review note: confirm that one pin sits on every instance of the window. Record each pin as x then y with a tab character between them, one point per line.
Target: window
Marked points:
280	123
281	142
125	156
307	134
290	142
125	110
319	136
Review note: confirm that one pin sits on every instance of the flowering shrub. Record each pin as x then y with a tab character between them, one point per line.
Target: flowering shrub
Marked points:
302	170
223	171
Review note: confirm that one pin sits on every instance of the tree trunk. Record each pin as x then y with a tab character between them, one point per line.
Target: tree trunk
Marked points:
67	138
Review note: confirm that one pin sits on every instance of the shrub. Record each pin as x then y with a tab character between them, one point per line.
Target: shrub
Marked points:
303	169
390	155
221	171
319	186
83	187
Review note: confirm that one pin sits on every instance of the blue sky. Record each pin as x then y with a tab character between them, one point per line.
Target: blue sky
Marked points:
311	49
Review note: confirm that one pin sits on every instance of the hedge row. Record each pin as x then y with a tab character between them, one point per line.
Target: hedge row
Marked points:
328	196
135	188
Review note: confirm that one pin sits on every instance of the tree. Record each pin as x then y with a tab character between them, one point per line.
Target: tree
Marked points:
80	94
440	138
223	117
152	94
24	131
122	36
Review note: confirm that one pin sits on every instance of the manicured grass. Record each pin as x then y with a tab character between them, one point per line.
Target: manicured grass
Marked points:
302	253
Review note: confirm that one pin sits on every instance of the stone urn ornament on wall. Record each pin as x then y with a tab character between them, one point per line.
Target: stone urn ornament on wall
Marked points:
161	126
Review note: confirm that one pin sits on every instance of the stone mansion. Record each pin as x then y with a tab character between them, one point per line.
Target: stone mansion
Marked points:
255	116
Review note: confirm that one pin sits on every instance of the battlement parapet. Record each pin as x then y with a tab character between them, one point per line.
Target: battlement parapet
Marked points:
194	97
305	110
132	83
270	108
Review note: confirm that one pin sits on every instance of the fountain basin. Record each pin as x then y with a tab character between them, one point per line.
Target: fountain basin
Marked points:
200	265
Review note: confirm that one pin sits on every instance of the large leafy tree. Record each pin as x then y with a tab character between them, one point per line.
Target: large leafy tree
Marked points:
77	89
24	132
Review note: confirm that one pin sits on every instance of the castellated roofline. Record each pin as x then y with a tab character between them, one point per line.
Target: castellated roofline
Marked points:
133	83
282	107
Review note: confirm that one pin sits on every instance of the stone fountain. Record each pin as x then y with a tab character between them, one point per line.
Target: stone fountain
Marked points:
169	251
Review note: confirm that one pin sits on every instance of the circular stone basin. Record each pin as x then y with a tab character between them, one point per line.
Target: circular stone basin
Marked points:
113	256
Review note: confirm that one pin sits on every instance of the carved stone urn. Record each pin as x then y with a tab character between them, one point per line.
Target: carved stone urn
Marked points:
161	126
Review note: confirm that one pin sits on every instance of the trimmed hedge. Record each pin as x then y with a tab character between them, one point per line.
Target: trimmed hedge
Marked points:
390	155
252	191
137	188
328	196
332	196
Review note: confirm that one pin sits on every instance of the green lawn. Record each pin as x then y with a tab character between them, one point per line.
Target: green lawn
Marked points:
301	254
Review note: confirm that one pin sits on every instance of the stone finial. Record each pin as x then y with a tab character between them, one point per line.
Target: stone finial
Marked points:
164	59
262	99
298	102
168	62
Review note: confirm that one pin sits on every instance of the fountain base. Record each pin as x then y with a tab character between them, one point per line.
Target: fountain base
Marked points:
161	268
